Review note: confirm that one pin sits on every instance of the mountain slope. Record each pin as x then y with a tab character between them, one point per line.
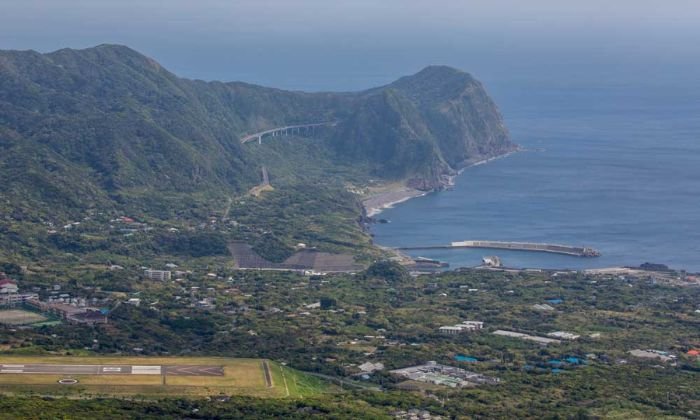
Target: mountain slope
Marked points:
105	126
459	113
426	126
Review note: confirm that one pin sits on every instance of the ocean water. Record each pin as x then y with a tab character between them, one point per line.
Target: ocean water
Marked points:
615	167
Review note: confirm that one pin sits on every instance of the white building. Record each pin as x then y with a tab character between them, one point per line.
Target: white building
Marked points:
563	334
653	354
158	275
466	326
369	367
450	330
541	340
492	261
14	298
8	286
472	325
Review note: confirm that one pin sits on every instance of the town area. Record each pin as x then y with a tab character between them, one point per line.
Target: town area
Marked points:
381	329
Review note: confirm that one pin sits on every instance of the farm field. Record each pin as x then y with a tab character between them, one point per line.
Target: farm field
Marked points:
19	317
152	376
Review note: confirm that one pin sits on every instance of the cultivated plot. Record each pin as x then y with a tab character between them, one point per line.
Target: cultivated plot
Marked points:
20	317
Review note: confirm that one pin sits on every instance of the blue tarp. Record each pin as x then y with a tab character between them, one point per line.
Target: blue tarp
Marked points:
463	358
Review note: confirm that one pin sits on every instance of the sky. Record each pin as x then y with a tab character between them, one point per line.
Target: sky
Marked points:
347	45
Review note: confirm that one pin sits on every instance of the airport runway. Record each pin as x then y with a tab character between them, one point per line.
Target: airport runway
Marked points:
194	370
175	370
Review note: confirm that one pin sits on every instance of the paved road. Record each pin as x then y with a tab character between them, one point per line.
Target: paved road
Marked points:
176	370
67	369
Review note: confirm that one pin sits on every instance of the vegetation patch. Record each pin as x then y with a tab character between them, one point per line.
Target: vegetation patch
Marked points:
20	317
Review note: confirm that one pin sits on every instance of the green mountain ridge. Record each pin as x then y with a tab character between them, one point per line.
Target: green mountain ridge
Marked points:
107	127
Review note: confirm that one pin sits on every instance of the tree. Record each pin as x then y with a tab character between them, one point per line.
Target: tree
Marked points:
390	271
11	269
327	303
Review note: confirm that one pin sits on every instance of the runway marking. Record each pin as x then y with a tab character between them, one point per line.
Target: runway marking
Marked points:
284	378
13	366
194	370
111	369
145	370
11	371
48	373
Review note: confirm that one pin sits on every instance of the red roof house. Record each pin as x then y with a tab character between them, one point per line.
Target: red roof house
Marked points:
8	286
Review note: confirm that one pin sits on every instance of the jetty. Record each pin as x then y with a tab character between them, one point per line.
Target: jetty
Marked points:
577	251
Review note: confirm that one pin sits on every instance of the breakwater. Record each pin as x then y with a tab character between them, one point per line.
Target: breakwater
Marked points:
516	246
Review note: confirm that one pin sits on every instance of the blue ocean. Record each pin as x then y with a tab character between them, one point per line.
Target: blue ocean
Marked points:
613	167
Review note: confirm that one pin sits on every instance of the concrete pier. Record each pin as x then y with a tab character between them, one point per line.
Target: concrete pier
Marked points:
516	246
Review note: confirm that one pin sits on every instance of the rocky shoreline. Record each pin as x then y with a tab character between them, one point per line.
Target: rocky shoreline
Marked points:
392	195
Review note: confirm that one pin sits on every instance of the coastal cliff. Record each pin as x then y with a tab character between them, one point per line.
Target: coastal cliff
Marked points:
424	128
108	126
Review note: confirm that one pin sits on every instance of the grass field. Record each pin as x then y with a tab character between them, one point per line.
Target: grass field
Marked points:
19	317
241	377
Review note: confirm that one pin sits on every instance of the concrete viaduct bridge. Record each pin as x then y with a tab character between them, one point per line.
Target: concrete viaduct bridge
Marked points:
305	129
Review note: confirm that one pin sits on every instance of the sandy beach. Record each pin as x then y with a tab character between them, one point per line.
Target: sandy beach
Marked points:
381	201
390	195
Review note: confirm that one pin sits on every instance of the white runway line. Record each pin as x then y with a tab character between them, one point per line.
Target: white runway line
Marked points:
13	366
145	370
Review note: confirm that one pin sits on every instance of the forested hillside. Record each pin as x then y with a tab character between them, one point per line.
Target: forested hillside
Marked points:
107	129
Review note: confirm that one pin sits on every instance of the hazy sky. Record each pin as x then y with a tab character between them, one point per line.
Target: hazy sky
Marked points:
331	44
